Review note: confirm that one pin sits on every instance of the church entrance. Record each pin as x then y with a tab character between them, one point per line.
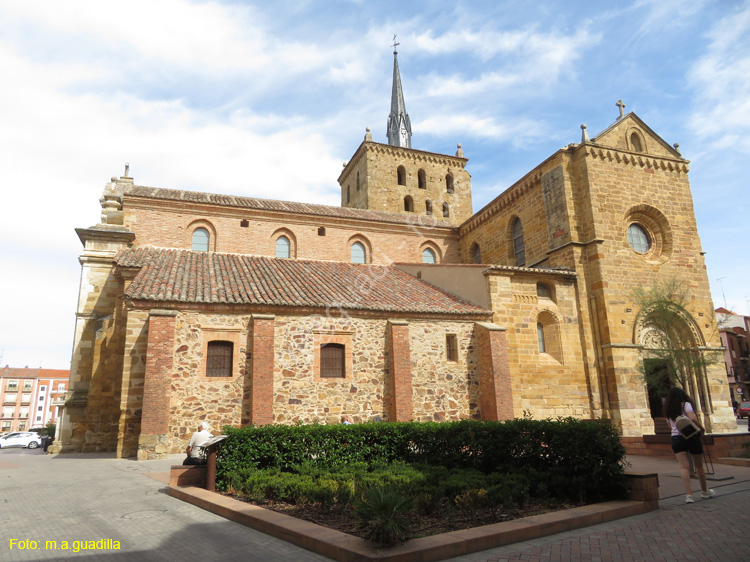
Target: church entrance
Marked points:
659	373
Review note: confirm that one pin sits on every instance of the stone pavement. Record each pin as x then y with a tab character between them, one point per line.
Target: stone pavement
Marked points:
78	497
93	497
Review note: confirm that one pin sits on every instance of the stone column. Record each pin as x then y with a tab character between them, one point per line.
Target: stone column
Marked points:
261	373
153	441
495	390
399	372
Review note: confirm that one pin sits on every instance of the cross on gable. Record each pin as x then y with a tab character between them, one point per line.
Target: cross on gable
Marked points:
622	108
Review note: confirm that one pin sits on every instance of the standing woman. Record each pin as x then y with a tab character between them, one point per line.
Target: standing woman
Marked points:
677	404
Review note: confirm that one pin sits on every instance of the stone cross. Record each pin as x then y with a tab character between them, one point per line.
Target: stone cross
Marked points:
622	107
127	169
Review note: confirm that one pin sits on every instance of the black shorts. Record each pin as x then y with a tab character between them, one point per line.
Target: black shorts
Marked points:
682	445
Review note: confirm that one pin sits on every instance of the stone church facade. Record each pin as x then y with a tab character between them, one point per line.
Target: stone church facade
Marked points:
400	304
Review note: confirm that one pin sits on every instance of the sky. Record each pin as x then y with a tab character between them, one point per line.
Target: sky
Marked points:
268	99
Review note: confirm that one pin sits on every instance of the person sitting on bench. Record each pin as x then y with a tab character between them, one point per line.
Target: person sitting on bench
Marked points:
194	450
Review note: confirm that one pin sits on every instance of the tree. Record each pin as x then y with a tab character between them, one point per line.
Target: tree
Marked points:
673	354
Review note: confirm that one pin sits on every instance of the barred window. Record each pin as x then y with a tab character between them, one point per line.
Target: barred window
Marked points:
332	360
219	359
451	347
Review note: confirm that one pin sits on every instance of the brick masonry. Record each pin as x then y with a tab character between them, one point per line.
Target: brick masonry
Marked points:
573	293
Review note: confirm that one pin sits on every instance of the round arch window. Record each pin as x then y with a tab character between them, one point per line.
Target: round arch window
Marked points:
638	238
358	253
428	256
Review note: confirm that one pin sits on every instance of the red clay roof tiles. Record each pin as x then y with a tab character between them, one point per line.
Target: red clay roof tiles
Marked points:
286	206
185	276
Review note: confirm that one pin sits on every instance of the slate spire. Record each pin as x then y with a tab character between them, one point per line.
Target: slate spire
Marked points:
399	126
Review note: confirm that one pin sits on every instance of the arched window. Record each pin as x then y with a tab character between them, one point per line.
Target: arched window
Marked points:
449	183
283	247
359	254
548	335
428	207
540	337
422	179
635	143
477	254
428	256
408	204
348	194
201	240
446	210
518	249
543	291
357	181
401	172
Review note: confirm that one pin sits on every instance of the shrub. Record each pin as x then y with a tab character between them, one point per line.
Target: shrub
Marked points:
564	458
386	512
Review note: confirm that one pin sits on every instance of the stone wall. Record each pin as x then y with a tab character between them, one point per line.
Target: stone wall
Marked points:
491	228
376	165
442	390
549	384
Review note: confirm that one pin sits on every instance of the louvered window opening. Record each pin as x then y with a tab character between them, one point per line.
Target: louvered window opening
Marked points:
219	359
332	363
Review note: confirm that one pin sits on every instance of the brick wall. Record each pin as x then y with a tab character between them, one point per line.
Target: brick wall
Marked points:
399	372
170	224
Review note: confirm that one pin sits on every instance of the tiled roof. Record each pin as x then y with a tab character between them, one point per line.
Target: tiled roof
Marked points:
185	276
286	206
536	270
32	373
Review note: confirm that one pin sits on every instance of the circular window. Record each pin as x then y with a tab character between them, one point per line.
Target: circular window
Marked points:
638	238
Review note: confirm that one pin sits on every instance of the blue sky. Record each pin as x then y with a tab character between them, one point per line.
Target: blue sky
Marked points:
268	99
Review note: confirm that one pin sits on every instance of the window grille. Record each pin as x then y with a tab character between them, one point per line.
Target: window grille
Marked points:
219	359
332	360
451	347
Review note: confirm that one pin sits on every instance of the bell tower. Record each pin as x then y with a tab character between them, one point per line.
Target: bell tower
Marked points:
396	178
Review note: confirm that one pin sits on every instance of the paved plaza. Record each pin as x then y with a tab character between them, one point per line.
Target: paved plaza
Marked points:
70	499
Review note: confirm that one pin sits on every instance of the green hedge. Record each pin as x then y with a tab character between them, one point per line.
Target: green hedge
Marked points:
575	459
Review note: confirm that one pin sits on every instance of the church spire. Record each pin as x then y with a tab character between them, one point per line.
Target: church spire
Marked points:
399	126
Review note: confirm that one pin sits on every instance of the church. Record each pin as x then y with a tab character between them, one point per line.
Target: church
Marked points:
400	304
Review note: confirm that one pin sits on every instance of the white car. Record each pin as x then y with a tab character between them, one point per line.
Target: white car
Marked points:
21	439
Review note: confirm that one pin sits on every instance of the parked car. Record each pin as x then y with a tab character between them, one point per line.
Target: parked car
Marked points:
743	410
21	439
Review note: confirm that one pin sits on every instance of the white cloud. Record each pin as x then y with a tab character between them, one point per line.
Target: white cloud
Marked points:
175	31
721	82
514	130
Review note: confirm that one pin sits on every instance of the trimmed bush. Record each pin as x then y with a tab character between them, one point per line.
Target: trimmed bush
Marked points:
569	459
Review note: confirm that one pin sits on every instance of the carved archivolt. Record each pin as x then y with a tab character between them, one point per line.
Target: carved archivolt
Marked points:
685	330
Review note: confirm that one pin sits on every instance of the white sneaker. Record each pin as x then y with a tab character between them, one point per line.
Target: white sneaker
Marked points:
708	494
689	499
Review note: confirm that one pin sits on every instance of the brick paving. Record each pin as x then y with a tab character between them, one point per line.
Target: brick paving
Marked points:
93	497
711	530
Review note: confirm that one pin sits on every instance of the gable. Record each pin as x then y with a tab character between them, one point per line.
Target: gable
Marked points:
631	134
